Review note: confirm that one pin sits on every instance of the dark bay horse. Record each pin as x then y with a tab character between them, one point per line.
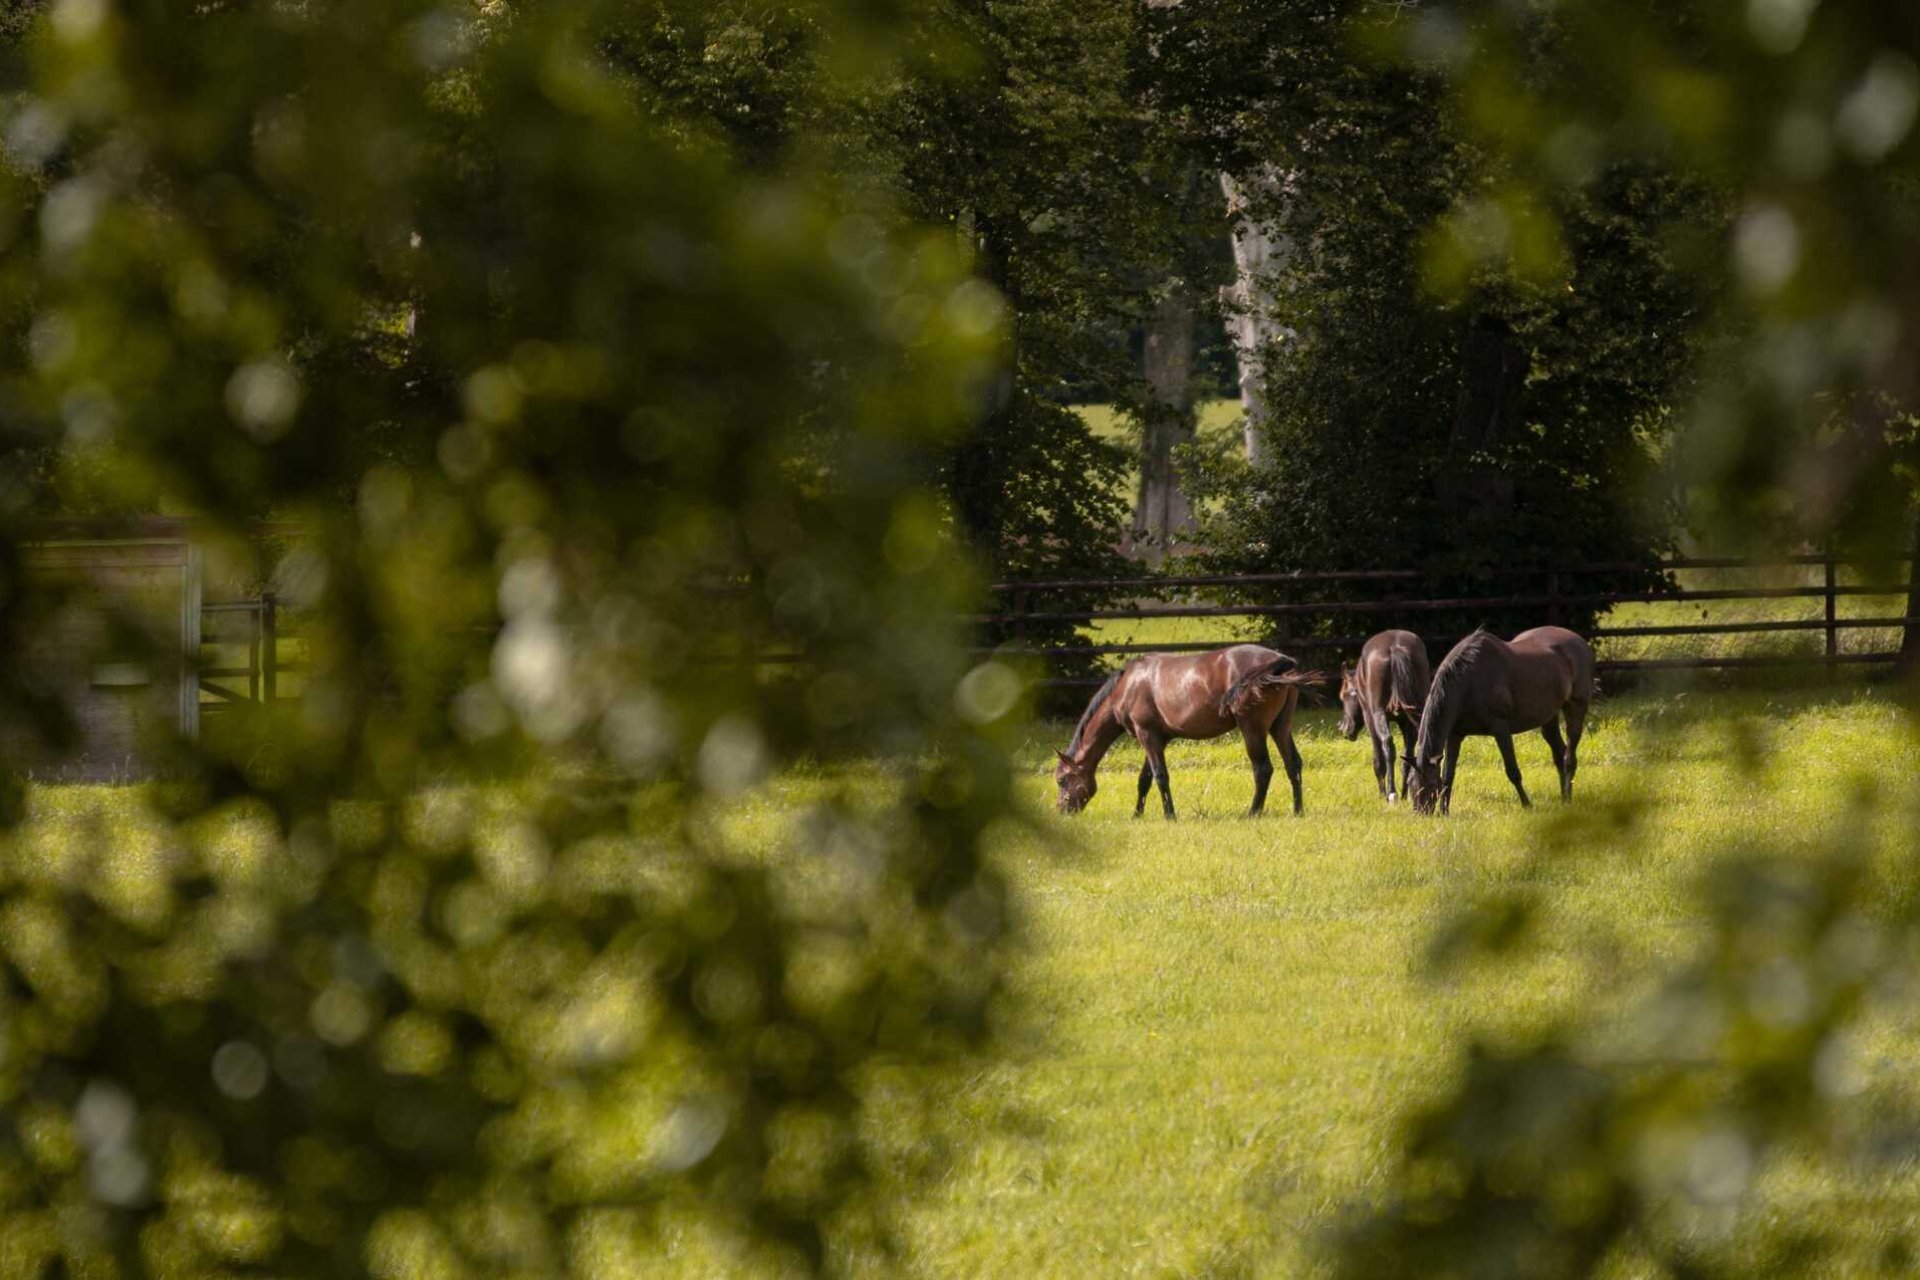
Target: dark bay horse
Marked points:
1386	687
1490	687
1165	696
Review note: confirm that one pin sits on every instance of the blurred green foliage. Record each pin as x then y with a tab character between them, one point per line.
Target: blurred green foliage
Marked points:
618	355
1800	118
1596	1145
587	425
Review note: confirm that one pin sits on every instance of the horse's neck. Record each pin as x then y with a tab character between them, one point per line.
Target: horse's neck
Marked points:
1099	736
1442	712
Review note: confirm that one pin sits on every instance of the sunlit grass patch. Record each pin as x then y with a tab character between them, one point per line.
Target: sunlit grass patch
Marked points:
1213	1027
1234	1014
1217	425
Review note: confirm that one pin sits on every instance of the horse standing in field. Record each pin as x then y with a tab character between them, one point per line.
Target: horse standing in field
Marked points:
1386	687
1164	696
1490	687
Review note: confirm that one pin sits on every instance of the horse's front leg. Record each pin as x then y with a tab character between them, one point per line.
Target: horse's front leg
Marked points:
1156	748
1446	773
1505	742
1256	740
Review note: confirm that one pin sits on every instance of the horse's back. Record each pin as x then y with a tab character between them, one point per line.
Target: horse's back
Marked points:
1181	694
1567	646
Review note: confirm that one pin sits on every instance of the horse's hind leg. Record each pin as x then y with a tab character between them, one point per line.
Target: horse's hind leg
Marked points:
1551	732
1256	739
1282	732
1505	741
1146	785
1156	749
1576	713
1408	731
1385	746
1382	771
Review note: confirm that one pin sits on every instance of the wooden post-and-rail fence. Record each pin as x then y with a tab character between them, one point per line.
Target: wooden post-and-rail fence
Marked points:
226	625
1329	625
1333	624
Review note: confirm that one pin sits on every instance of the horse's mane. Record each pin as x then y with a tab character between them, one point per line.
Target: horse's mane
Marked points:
1086	716
1451	677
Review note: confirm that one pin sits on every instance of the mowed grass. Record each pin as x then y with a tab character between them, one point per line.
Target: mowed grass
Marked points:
1215	1028
1219	1023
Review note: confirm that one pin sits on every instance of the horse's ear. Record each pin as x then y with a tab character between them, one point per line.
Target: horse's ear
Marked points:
1064	757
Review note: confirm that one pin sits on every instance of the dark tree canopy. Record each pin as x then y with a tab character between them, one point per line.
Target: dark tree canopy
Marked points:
1476	382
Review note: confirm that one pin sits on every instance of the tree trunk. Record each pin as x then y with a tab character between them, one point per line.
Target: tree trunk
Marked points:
977	462
1161	510
1259	250
1487	411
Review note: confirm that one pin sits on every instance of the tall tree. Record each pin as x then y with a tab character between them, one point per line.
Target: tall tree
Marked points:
1434	409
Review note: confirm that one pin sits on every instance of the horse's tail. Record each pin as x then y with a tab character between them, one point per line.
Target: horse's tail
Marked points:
1404	694
1278	674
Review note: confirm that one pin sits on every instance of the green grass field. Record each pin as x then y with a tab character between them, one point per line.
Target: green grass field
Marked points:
1220	1021
1215	1027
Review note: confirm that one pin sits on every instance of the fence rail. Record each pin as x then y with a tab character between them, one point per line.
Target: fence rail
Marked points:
1551	592
258	680
264	665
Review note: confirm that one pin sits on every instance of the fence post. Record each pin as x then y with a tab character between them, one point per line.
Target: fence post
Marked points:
253	657
1553	599
1910	633
1833	632
1020	617
269	649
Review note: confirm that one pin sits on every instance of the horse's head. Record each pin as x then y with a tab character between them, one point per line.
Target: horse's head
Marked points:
1349	701
1076	784
1423	785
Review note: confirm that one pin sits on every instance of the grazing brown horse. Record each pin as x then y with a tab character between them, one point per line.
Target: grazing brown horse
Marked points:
1164	696
1493	688
1386	687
